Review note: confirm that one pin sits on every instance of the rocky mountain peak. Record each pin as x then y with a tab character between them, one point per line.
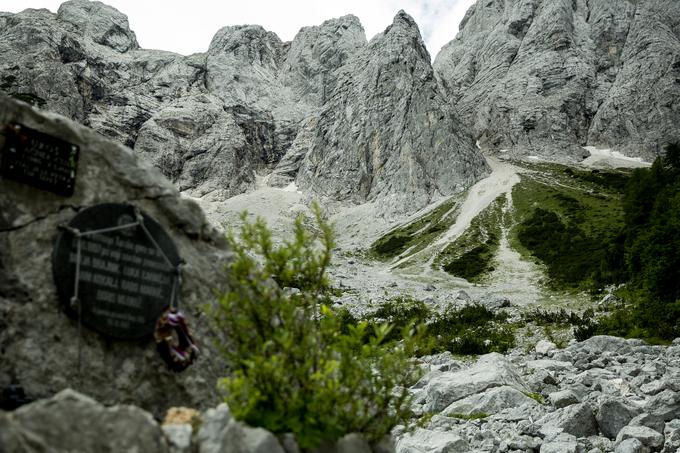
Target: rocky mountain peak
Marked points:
252	103
249	43
548	77
369	144
316	53
105	25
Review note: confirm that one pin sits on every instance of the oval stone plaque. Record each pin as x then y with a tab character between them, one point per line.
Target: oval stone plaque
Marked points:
125	281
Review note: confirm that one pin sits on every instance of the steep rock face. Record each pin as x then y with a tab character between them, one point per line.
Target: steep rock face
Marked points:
40	345
242	68
211	121
385	131
30	63
104	24
199	146
60	63
547	77
643	105
316	54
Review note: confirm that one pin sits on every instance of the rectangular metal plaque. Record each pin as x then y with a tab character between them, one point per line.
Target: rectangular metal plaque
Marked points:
39	160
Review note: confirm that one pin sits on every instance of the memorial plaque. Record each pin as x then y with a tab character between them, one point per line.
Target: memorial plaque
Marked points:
39	160
125	282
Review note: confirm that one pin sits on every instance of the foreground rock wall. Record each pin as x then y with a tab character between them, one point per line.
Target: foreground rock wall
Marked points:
71	421
546	77
39	343
604	395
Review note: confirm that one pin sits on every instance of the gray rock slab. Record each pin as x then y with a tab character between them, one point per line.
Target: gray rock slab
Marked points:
70	421
563	398
490	401
423	440
490	370
647	436
613	414
563	443
577	420
630	446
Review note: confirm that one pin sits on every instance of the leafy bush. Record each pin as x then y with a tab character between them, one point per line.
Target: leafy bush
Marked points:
402	311
544	317
296	365
473	329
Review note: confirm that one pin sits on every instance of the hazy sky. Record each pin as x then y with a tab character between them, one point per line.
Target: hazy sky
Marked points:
187	26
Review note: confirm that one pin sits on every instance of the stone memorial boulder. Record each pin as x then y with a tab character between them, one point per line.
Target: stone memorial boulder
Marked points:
44	349
70	422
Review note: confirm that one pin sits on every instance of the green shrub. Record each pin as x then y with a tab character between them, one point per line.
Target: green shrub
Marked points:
296	365
472	263
473	329
469	330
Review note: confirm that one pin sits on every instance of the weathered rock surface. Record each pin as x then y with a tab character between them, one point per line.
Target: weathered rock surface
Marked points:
577	420
39	343
593	408
491	401
72	422
563	398
220	432
547	77
105	25
368	143
613	414
491	370
647	436
201	147
211	122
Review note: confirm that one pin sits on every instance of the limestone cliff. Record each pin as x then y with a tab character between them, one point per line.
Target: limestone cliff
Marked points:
386	132
547	77
210	122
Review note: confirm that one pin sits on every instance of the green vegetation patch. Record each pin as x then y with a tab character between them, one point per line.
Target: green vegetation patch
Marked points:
471	255
627	231
415	236
536	397
543	317
469	330
569	219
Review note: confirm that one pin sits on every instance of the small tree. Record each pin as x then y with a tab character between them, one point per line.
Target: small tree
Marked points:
294	368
